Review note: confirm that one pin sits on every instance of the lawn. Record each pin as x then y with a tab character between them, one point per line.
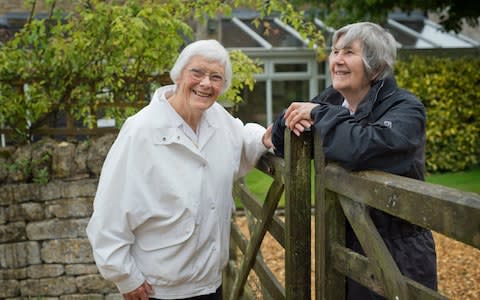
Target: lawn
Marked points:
468	180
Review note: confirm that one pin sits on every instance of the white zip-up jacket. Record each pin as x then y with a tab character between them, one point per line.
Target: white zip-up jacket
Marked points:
163	205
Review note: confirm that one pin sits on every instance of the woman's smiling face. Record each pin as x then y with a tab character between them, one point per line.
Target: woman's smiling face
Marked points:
347	70
201	83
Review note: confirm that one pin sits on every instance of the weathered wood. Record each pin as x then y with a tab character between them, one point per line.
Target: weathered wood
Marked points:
277	227
384	266
273	166
267	214
359	268
297	215
341	194
228	275
451	212
329	230
383	191
354	266
268	279
251	220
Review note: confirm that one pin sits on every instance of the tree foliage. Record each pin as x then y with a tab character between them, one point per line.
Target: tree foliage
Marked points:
105	56
337	13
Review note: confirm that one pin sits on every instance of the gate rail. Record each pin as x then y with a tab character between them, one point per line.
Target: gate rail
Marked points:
340	196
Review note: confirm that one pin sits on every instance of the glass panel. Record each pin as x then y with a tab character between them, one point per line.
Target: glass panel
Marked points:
321	85
322	69
234	37
253	108
286	92
406	40
445	39
322	65
274	34
283	68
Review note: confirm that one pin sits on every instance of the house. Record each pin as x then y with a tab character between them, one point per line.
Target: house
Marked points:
291	70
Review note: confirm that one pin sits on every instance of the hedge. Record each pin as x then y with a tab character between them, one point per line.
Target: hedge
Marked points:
450	91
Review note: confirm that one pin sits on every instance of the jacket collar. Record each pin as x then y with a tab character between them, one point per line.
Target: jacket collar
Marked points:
169	128
380	90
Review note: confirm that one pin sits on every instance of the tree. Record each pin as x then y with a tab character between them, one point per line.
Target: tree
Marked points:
105	56
452	13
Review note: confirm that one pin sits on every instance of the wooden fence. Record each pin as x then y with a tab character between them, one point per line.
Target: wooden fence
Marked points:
339	196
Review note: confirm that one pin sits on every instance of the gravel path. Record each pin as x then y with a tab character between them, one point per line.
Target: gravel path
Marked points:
458	265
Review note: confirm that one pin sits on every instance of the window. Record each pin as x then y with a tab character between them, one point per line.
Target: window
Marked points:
290	68
286	92
253	109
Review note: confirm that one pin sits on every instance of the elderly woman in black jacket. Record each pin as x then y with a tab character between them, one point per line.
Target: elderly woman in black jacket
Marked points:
367	123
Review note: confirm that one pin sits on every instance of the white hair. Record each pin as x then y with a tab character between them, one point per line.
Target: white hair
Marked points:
212	51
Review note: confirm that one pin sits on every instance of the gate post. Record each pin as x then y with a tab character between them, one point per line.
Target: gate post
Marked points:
298	151
329	230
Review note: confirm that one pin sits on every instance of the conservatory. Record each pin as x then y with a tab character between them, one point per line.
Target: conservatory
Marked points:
291	71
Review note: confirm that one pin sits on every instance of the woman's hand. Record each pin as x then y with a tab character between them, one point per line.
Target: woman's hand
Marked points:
297	117
140	293
267	137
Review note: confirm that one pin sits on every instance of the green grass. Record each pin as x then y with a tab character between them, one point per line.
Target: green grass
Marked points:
468	181
258	183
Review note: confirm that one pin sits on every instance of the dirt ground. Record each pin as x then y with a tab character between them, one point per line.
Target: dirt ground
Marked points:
458	265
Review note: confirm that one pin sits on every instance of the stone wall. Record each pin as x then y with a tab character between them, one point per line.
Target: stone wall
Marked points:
46	197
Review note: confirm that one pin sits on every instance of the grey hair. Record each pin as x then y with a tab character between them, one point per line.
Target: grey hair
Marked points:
378	46
212	51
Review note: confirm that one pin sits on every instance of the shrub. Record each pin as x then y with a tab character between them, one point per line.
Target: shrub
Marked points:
106	57
450	91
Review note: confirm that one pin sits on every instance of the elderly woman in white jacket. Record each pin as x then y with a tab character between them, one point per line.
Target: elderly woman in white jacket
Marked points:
161	221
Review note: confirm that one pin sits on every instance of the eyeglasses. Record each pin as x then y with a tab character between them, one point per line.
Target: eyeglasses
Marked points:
198	74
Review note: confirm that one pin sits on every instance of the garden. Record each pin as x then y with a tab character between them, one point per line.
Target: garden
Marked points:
102	61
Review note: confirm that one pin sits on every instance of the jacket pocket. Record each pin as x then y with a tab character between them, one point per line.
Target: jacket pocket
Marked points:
160	233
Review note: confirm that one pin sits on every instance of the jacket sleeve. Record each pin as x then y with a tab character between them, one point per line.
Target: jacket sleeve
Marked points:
388	143
278	134
278	130
110	227
252	146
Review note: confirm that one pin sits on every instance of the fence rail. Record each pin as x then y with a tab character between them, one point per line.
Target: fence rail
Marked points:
340	196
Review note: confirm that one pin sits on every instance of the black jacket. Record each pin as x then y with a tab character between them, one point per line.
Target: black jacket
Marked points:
387	133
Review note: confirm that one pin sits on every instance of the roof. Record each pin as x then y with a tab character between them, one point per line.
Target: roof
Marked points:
412	31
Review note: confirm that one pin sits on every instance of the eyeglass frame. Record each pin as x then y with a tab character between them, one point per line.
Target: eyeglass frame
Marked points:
199	75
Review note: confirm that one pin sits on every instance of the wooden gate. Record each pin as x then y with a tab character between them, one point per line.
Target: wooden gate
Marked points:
340	196
343	196
292	175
